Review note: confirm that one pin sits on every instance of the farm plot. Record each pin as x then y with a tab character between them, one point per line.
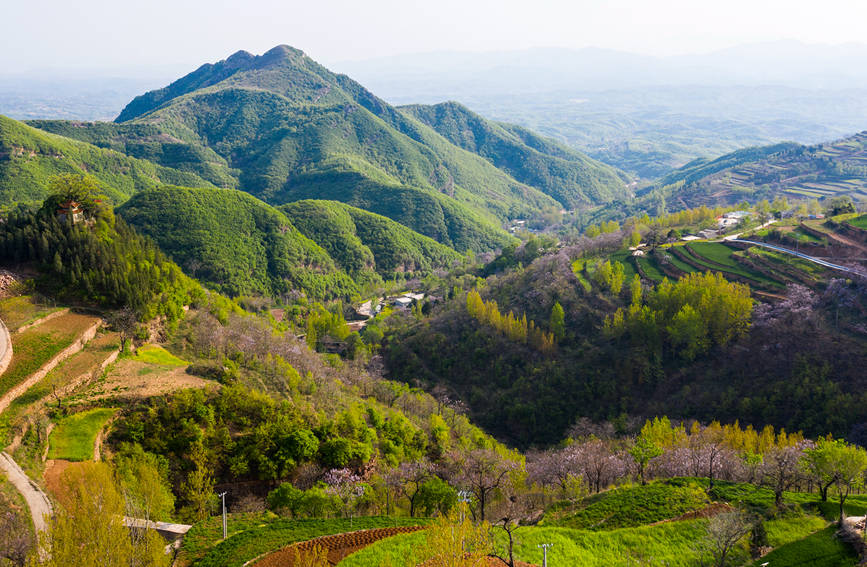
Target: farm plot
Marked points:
336	546
74	437
859	222
253	536
36	346
650	269
719	257
62	378
152	371
23	310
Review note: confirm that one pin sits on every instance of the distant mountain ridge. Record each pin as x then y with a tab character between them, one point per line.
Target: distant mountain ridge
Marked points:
787	169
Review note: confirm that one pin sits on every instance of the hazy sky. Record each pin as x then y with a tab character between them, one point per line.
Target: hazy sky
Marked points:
51	34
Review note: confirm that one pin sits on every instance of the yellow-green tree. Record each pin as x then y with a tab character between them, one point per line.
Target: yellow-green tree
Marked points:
87	528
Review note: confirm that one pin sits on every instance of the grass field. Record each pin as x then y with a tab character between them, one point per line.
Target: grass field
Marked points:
74	436
22	310
624	257
719	253
671	544
32	349
680	264
578	270
860	222
635	506
820	549
91	356
651	270
153	354
252	535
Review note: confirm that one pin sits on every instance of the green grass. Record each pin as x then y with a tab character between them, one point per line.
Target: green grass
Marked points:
635	506
803	236
680	264
578	270
74	436
32	349
671	544
787	530
860	222
820	549
651	270
254	535
153	354
624	258
702	252
396	551
22	310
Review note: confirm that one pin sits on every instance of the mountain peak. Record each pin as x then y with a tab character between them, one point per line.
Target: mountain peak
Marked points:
240	59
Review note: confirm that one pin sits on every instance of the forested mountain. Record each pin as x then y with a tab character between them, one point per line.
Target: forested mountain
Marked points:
284	128
561	172
289	129
29	157
364	243
234	242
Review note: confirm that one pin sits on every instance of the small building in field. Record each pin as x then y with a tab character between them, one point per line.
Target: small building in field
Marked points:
70	209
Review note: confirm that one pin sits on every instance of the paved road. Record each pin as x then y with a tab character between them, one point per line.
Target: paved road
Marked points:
798	254
40	506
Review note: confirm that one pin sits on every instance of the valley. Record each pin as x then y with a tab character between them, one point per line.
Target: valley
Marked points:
266	318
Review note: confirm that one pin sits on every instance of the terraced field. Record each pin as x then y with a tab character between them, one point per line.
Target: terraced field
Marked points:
337	547
61	380
22	310
251	536
37	345
859	222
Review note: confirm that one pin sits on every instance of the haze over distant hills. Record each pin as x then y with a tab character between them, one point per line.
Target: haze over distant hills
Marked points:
645	114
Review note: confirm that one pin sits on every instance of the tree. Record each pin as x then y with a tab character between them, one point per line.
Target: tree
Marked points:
15	538
453	541
87	529
482	472
413	475
143	478
723	533
849	462
516	507
817	464
436	496
641	452
781	469
558	318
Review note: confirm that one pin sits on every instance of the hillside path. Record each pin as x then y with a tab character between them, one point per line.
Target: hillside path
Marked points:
37	501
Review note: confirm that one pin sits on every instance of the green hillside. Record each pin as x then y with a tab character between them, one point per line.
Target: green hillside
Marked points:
235	242
28	157
787	169
146	141
284	128
563	173
362	242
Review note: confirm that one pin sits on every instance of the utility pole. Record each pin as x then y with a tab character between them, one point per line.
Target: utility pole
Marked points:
225	526
545	547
